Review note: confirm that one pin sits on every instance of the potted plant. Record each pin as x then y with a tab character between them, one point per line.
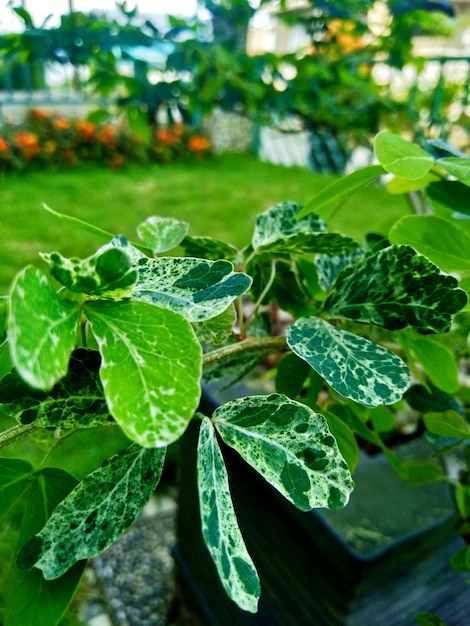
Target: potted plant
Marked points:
115	349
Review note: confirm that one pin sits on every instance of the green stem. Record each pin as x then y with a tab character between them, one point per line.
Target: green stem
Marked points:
252	344
15	434
267	287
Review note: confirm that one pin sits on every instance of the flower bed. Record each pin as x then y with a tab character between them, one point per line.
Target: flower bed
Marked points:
50	140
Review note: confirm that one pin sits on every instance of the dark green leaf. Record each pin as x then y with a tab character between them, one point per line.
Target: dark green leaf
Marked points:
3	319
16	476
96	512
290	445
220	527
429	619
29	599
451	193
434	400
42	329
341	187
460	561
208	248
162	233
194	288
151	366
291	375
420	471
396	287
355	367
76	401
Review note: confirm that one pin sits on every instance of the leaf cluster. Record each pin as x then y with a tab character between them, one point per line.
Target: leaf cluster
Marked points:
127	337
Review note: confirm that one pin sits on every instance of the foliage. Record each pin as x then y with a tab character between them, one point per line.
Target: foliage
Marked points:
131	335
49	140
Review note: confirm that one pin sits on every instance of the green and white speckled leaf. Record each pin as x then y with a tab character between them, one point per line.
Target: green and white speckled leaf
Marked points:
278	230
402	158
220	527
217	329
103	505
329	266
42	329
109	272
151	366
355	367
396	287
162	233
194	288
290	446
208	248
75	401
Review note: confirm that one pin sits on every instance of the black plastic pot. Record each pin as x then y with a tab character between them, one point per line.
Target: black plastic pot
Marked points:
384	556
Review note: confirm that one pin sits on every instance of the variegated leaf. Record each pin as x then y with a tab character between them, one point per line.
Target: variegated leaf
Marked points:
194	288
96	512
329	266
217	329
76	401
219	524
290	445
151	366
110	272
3	319
396	287
355	367
209	248
278	230
42	329
162	233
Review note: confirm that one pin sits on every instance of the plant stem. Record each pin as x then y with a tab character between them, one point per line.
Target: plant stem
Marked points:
15	433
267	287
252	344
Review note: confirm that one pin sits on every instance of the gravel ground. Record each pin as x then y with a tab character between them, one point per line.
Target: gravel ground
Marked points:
135	583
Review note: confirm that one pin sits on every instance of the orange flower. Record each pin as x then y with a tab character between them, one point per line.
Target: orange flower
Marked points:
61	123
107	135
86	128
4	145
50	147
197	143
38	114
167	136
28	142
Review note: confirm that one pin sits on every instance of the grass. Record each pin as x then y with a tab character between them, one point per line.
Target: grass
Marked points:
219	198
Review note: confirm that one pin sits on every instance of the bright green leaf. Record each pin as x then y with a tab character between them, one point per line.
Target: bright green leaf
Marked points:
396	287
278	230
290	446
109	272
341	187
447	424
162	233
382	419
76	401
402	158
194	288
42	329
29	599
437	360
460	168
15	477
151	366
96	512
219	524
347	442
402	185
421	471
137	118
460	561
442	242
355	367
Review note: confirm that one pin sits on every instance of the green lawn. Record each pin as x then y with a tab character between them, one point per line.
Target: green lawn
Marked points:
219	197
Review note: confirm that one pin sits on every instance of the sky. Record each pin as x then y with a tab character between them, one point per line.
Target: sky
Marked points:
40	9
